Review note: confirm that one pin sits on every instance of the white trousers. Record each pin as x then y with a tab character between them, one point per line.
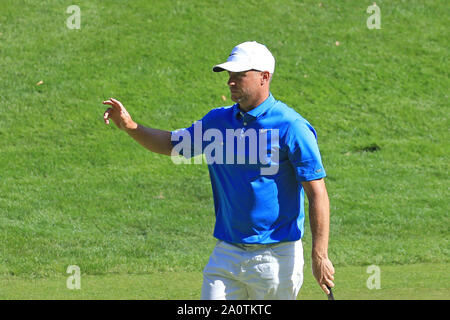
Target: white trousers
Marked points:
254	271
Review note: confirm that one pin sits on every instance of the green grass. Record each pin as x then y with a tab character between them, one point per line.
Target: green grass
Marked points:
412	282
74	191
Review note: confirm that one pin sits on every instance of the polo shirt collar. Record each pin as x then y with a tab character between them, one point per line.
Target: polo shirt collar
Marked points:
259	110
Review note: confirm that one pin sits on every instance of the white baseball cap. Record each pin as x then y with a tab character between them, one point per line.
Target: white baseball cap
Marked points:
249	55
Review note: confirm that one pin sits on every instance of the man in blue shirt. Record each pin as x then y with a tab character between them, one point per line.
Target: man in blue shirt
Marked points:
262	157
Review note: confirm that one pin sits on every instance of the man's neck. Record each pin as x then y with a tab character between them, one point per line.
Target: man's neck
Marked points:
255	103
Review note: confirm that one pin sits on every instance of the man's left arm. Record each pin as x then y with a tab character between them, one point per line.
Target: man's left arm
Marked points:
319	217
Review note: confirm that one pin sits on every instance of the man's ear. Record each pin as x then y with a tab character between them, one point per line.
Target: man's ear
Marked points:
265	77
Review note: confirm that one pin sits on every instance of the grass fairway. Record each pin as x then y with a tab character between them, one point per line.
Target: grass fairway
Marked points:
76	192
417	282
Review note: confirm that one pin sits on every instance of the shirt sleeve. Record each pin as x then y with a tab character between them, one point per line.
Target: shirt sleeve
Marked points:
188	142
303	151
184	142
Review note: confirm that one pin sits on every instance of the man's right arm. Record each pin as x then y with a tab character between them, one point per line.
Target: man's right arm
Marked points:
155	140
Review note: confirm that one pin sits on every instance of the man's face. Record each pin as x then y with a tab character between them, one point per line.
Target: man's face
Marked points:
244	86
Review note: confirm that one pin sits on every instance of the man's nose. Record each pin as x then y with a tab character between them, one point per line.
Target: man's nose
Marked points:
231	82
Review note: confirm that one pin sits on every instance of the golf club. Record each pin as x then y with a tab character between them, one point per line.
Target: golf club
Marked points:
330	295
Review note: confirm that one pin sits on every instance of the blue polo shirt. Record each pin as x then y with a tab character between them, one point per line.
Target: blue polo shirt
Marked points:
257	161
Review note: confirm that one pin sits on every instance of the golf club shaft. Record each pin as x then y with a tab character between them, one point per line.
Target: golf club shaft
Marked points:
330	295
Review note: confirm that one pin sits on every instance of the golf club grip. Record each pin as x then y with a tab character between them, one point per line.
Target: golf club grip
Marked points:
330	295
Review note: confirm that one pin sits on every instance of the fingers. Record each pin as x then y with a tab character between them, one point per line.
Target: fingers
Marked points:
326	282
119	115
325	289
116	104
326	285
328	277
107	114
323	271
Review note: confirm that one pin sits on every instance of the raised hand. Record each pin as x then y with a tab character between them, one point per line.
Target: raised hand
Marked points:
119	115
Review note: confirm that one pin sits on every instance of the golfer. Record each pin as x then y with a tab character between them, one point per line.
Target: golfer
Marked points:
258	187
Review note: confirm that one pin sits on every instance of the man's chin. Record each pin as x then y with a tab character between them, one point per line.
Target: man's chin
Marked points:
236	98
